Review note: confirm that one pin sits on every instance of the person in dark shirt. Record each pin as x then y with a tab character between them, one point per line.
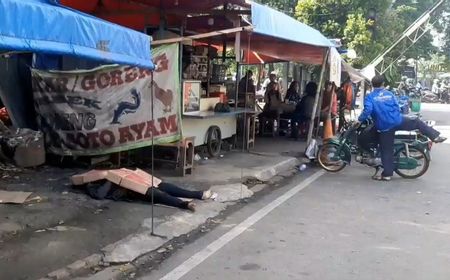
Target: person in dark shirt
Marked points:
292	95
246	84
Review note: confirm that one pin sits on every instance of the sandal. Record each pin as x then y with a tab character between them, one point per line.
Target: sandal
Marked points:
381	178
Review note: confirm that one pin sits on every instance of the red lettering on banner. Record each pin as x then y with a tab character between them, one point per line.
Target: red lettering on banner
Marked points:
78	139
116	78
161	63
139	129
106	79
107	138
131	74
103	80
88	82
93	139
168	124
125	135
144	73
61	84
151	130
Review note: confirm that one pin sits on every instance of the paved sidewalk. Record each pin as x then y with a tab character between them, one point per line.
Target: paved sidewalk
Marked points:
66	225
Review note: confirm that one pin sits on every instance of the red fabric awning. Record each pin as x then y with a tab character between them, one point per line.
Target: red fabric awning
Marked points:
274	49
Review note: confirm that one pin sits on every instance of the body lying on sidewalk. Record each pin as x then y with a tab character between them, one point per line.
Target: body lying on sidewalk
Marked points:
165	194
126	184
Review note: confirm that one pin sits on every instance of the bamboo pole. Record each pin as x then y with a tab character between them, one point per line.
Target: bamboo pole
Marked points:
318	95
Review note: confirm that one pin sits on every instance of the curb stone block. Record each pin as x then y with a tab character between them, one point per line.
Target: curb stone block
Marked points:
93	260
78	265
62	273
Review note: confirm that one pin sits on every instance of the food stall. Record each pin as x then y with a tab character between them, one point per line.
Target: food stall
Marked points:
257	33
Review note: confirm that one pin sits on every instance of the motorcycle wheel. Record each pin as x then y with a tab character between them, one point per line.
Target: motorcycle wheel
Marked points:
324	157
417	154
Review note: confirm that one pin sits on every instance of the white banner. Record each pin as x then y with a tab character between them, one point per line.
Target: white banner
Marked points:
109	109
335	66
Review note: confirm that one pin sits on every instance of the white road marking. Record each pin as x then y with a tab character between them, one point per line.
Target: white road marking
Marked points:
216	245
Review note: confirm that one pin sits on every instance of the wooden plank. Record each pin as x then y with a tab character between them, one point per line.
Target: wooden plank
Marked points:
201	36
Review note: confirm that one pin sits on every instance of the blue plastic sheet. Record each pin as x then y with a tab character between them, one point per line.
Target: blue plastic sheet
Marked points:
40	26
269	22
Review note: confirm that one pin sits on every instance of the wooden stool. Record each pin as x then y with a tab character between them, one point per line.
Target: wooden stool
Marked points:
184	160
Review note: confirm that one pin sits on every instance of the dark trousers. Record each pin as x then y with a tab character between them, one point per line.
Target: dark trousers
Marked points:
387	138
167	194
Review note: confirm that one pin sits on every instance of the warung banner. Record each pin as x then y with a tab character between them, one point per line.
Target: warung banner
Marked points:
109	109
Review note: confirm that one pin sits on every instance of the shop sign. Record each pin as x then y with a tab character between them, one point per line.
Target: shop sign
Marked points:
109	109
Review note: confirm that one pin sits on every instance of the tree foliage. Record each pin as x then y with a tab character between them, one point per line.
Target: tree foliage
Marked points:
367	26
370	26
286	6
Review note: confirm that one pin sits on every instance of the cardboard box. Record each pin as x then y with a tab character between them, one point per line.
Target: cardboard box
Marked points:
138	180
90	176
135	180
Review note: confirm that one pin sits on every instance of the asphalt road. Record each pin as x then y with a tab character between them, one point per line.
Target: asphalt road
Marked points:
332	226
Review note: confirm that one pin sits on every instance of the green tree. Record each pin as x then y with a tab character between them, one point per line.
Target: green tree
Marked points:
286	6
366	26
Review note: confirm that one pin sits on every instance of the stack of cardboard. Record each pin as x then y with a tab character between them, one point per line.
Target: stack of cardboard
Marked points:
134	180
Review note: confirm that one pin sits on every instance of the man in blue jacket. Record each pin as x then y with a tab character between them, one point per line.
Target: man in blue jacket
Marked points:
382	106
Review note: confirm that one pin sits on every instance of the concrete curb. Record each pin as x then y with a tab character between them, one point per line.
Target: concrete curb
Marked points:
96	260
269	172
75	267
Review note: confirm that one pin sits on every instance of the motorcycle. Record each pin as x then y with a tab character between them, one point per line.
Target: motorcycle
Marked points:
411	155
445	96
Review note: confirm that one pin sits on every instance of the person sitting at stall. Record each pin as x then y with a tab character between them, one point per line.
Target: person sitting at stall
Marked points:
293	95
329	99
268	84
274	102
246	90
246	84
304	109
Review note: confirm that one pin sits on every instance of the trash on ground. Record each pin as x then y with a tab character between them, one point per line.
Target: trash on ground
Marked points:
34	199
162	250
24	146
302	167
61	229
197	157
14	197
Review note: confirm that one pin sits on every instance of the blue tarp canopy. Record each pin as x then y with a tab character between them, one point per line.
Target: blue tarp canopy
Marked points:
270	22
39	26
281	37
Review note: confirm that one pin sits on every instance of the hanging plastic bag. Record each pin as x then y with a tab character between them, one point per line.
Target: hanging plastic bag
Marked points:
312	149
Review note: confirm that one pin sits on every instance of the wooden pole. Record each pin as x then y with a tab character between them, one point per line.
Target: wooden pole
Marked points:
316	101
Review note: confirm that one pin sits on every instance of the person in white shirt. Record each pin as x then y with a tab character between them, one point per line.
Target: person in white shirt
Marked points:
435	88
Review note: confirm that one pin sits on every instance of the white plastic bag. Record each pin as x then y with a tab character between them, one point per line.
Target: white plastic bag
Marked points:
312	149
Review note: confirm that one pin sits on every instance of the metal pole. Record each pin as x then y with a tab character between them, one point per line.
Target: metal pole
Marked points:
316	101
152	160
